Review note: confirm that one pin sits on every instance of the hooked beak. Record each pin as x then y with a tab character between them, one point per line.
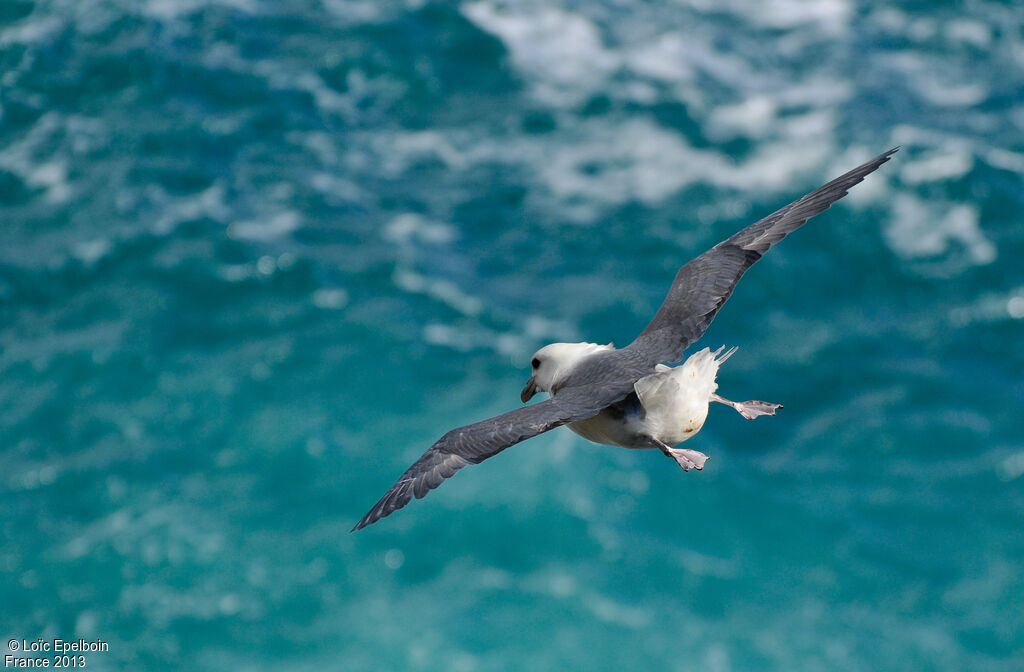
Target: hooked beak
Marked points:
529	390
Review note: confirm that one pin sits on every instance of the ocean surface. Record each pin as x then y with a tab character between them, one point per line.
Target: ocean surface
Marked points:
256	256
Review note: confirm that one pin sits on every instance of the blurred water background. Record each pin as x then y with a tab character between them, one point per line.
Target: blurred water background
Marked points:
256	256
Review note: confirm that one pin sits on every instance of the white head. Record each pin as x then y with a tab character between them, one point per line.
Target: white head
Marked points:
552	363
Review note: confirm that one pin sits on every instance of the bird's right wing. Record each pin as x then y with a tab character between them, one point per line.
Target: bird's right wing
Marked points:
471	444
703	285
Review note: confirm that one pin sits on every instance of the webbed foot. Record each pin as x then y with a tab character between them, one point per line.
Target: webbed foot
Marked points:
685	458
749	409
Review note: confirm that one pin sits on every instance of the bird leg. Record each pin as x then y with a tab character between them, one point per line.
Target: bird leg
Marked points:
749	409
687	459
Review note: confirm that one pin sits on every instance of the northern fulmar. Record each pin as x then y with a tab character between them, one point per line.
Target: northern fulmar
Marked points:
628	397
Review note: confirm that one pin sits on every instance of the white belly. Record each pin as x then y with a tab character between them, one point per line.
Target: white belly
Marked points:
679	417
673	405
609	430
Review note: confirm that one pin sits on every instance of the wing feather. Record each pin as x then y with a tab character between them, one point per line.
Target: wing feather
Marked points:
704	284
466	445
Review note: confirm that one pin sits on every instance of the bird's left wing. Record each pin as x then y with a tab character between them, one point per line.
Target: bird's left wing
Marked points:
471	444
703	285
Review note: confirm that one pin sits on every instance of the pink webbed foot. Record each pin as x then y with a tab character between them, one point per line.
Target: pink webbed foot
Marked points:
749	409
685	458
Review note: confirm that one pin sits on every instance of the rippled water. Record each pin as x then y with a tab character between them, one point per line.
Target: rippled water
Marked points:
256	256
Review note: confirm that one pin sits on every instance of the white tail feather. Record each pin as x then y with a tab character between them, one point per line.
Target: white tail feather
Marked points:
728	353
676	399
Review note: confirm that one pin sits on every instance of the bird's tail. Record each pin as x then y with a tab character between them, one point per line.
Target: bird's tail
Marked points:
728	353
702	367
704	363
696	376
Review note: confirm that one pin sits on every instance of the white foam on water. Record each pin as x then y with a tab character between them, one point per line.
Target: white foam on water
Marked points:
31	32
959	31
1005	159
940	87
42	348
511	345
539	328
952	94
330	298
336	188
411	226
890	18
595	163
636	160
612	611
928	229
53	177
559	583
666	58
267	228
37	157
696	53
445	291
173	9
990	307
285	75
91	251
209	202
831	17
394	152
678	57
606	162
969	32
937	166
562	54
701	564
777	166
449	336
1012	467
358	12
1015	306
754	117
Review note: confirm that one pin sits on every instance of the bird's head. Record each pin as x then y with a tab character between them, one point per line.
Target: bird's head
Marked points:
552	363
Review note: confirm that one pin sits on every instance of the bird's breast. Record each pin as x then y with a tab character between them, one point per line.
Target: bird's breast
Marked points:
620	424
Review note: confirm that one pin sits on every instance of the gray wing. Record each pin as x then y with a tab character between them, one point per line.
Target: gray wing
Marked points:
703	285
471	444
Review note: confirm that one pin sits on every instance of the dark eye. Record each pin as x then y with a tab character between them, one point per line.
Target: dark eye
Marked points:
535	363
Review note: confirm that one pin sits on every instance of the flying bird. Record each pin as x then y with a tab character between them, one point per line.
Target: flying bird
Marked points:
628	397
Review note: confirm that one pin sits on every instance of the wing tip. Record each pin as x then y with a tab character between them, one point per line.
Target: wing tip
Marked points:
395	498
885	156
427	473
372	516
865	169
363	523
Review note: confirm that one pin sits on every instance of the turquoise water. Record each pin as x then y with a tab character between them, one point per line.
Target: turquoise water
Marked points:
255	257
